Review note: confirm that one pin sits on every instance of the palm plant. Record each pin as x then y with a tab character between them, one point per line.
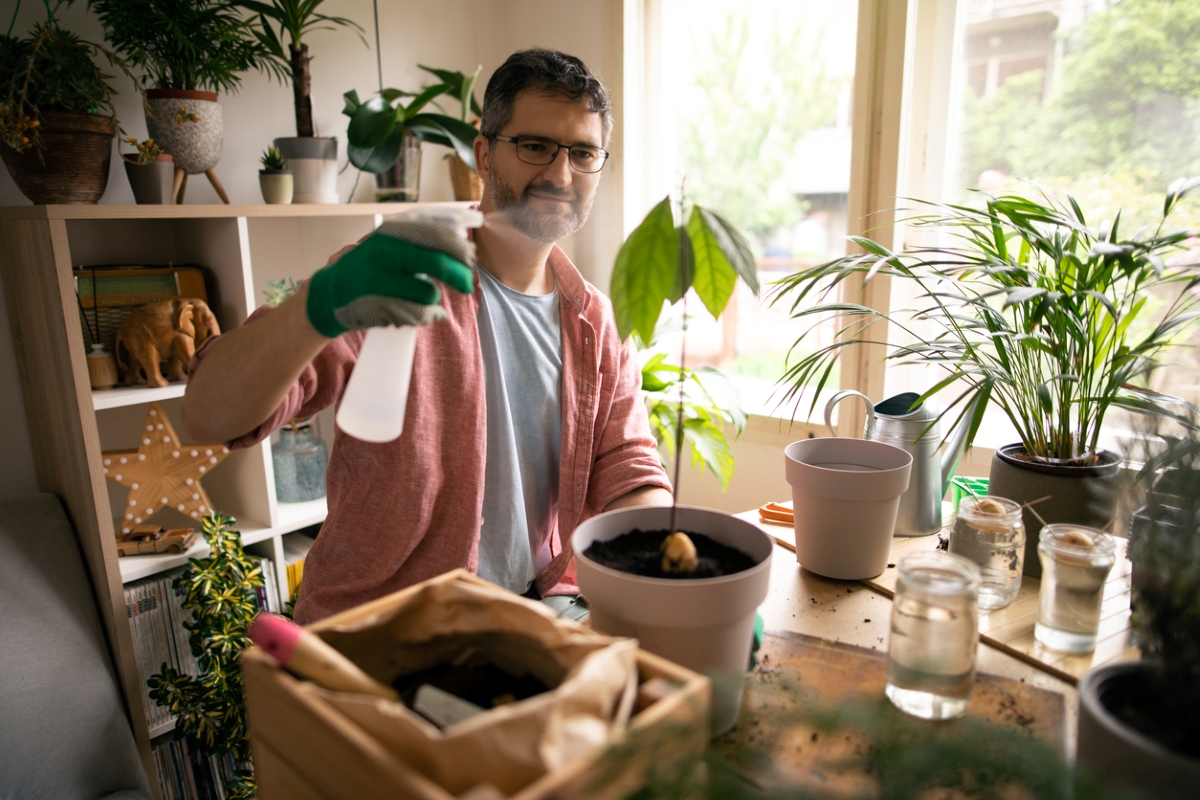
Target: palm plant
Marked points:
295	18
1031	309
185	44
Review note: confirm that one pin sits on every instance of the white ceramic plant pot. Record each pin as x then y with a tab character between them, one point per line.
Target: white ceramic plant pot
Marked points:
845	496
313	163
705	624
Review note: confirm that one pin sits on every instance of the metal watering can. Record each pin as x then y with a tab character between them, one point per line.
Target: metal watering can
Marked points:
894	421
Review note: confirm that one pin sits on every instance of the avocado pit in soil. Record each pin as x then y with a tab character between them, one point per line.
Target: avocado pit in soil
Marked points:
638	553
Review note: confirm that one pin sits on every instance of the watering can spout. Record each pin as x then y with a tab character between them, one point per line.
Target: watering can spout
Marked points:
957	445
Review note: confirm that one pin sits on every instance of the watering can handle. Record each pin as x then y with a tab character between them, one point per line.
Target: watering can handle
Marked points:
839	397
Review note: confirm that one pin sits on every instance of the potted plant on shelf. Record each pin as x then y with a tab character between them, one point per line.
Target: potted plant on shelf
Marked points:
56	117
1137	721
1033	311
685	581
275	179
313	158
386	140
467	185
151	172
187	50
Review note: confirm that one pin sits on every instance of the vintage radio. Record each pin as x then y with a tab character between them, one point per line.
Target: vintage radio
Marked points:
107	294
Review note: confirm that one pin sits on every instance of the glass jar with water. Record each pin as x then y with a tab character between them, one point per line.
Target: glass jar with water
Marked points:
934	636
990	532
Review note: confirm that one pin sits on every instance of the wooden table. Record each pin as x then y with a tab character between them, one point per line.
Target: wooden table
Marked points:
850	612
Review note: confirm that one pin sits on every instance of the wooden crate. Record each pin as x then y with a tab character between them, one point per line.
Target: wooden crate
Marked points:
304	748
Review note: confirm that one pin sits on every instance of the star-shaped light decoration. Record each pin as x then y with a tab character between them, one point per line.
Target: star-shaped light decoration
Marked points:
162	472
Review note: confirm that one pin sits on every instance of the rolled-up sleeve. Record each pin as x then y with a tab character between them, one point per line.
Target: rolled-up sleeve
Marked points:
319	385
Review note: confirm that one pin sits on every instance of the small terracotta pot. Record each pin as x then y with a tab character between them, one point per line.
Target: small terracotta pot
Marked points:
277	186
706	624
196	146
151	183
73	164
845	496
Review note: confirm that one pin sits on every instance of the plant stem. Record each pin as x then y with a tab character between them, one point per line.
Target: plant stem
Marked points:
679	418
302	90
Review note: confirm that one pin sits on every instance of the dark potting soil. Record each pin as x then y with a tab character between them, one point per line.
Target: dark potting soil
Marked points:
477	680
637	553
1143	702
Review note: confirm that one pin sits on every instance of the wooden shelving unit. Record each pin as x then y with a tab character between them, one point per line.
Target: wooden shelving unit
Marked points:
245	246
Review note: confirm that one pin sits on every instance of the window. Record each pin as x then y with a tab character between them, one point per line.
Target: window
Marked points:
799	118
752	118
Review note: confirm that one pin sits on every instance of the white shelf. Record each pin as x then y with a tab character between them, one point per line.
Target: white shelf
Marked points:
163	729
120	396
294	516
135	567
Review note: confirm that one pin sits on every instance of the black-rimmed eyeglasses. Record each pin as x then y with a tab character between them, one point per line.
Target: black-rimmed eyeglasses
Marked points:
540	152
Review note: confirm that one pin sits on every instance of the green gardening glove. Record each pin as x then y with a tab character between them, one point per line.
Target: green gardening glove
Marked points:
385	279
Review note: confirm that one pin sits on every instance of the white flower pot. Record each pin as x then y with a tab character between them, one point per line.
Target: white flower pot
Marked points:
706	624
845	496
313	163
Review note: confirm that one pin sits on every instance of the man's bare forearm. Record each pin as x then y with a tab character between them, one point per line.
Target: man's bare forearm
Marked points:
246	374
642	496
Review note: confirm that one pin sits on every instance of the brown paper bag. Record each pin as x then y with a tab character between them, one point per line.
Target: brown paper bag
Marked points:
509	747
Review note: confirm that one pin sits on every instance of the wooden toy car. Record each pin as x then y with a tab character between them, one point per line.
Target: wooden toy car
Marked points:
149	538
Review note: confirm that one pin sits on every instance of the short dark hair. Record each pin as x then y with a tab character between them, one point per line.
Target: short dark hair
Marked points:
547	72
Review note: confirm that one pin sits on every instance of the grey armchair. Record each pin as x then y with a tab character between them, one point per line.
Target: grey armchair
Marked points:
63	730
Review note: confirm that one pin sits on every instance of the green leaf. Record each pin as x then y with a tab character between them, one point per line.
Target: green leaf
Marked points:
371	123
715	276
381	157
422	100
1023	294
461	135
645	272
734	246
352	102
392	95
686	271
710	448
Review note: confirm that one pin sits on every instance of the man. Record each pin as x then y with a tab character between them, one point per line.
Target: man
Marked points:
523	417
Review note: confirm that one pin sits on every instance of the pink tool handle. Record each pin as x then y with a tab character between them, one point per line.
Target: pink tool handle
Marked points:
276	635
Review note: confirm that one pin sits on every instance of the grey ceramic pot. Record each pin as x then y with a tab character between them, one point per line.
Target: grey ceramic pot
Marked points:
313	162
1116	753
195	146
1080	495
151	183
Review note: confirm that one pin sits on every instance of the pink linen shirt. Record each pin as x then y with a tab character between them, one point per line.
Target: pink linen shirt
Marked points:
408	510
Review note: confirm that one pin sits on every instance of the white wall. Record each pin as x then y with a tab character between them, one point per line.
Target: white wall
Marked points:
450	34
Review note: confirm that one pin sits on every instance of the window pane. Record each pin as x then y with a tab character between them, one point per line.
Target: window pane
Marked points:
1095	98
758	96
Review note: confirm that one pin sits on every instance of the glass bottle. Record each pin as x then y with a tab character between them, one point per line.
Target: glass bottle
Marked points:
1076	561
934	636
990	532
299	458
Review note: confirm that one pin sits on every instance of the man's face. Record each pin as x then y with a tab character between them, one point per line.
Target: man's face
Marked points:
546	203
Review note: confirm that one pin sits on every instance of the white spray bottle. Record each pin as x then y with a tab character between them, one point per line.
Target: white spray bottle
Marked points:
376	395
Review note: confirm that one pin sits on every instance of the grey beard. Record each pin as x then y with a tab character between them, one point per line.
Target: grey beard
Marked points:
544	228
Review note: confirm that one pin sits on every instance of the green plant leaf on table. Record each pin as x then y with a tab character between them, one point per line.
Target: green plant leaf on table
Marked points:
645	272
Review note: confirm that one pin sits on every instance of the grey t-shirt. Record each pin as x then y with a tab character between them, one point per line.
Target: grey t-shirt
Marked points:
521	340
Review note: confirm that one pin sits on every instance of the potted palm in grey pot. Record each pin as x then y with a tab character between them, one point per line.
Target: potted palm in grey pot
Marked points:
313	158
1031	310
1138	722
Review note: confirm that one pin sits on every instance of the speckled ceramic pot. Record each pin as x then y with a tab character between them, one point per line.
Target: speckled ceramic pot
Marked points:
195	146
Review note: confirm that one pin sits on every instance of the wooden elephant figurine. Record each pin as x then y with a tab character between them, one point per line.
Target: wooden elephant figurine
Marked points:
168	329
